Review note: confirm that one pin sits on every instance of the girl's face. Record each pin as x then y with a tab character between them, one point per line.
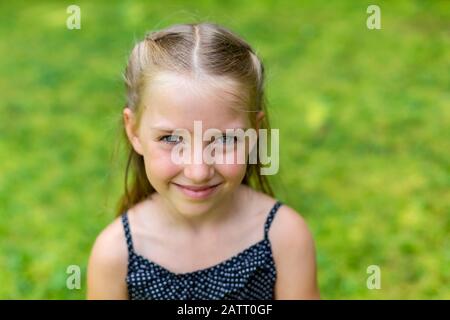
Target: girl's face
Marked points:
174	101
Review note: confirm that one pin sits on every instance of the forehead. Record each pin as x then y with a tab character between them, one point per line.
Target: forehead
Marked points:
176	101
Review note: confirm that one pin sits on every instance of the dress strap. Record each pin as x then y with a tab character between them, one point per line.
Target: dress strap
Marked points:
127	231
270	217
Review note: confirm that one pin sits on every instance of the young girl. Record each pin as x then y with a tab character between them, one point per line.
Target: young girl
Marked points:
198	230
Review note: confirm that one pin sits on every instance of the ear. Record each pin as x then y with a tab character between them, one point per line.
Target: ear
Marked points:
129	119
259	117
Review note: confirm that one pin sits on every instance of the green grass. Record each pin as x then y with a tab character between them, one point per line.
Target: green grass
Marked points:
364	118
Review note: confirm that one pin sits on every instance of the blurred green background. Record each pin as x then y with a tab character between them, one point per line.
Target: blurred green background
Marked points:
364	118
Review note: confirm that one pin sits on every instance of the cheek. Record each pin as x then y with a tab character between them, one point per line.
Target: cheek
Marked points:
232	172
158	164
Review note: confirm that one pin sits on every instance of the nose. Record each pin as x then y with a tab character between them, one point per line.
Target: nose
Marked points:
198	171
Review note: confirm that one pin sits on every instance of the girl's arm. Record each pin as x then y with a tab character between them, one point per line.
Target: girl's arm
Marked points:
294	255
107	267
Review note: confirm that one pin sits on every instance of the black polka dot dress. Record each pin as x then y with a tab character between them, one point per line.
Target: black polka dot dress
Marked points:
249	275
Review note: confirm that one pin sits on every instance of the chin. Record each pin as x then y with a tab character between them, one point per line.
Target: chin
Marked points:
192	209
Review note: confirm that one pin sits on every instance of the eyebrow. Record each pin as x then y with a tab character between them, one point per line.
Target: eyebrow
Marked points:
162	129
165	129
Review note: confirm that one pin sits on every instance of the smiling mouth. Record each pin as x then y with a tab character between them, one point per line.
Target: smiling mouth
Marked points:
197	192
197	188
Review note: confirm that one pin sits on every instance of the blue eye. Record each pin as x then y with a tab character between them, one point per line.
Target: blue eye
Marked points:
171	139
228	139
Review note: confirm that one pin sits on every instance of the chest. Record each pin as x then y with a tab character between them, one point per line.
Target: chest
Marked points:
187	254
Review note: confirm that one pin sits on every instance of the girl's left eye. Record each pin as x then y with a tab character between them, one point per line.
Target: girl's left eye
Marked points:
227	139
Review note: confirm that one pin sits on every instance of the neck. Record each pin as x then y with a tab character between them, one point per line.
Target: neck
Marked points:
208	219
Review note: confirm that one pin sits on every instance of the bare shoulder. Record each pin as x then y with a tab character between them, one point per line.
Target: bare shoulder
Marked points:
110	245
294	256
289	228
108	262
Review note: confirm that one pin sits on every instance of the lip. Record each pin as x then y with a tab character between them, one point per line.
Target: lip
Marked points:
197	192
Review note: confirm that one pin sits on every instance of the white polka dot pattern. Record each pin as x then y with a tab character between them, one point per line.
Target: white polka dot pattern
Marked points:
249	275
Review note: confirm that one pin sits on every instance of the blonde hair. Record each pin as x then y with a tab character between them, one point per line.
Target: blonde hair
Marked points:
193	49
